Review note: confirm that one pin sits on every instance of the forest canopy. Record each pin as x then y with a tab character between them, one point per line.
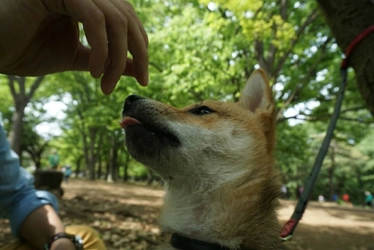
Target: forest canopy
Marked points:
206	50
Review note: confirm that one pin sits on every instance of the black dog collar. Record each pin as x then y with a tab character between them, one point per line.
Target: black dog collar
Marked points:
183	243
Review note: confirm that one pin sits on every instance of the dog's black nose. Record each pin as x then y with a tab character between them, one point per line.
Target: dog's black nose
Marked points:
130	100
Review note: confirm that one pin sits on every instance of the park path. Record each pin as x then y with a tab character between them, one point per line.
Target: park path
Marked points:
323	227
126	217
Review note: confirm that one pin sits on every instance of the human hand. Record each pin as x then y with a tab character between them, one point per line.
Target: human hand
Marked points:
40	37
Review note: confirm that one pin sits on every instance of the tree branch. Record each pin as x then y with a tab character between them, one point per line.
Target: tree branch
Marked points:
313	15
283	9
353	109
259	10
259	48
159	69
21	81
33	88
11	86
288	101
272	49
196	95
309	75
323	118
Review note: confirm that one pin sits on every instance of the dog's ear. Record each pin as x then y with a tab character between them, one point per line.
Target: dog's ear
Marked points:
256	94
257	97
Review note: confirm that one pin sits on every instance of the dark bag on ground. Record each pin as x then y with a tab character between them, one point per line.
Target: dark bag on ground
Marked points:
49	180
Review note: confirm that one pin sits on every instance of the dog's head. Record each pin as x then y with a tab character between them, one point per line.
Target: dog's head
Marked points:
209	142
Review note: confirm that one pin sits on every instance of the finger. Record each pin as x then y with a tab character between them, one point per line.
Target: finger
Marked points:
94	25
129	70
137	20
93	16
117	30
136	43
108	87
82	58
81	61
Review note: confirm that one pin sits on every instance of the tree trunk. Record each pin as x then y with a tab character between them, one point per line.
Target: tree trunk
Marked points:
92	155
15	133
36	151
38	163
347	19
108	175
100	166
77	170
359	178
126	167
149	178
113	155
21	97
86	150
99	155
115	168
331	172
37	159
115	172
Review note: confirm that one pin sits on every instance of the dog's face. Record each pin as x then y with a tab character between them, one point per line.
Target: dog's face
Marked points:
209	142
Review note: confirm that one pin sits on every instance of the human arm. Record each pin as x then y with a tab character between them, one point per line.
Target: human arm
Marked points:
39	227
40	37
31	213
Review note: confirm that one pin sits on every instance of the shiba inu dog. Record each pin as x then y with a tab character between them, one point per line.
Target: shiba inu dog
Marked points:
216	158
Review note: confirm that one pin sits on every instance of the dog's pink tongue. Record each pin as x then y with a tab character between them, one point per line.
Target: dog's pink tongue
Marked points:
127	121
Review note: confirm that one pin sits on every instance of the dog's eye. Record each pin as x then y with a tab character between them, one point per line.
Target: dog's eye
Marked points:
203	110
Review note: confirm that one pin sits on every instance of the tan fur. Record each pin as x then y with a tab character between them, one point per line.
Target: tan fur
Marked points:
222	186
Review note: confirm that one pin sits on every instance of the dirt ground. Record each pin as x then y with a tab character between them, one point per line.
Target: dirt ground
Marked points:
126	217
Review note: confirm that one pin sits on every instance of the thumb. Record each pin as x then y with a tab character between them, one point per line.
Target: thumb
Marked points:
82	58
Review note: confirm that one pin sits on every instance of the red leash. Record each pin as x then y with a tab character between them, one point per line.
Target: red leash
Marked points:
290	226
353	44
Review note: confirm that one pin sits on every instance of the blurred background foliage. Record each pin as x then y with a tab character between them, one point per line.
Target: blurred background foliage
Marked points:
207	49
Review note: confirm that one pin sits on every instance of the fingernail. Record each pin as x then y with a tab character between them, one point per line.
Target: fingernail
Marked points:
106	88
102	69
95	74
144	80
